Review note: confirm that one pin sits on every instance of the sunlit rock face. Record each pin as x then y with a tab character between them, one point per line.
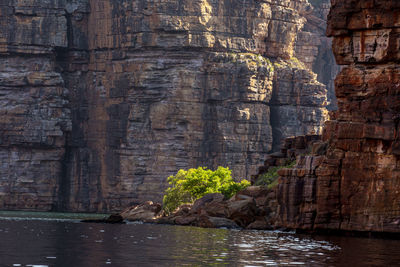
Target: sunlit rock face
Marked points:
314	48
355	185
102	100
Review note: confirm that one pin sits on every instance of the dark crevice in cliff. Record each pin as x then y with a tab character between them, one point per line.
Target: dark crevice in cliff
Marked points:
64	190
325	67
62	59
70	34
313	180
210	127
63	194
276	128
340	207
275	120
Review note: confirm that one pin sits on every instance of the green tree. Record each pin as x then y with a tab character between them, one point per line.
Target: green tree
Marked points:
188	186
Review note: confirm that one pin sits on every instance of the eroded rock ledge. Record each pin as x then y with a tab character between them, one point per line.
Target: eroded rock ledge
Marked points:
101	100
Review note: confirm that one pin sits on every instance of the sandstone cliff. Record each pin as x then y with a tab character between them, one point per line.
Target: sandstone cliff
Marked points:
355	184
101	100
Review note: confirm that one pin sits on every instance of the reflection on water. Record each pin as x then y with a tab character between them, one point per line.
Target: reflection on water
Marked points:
64	242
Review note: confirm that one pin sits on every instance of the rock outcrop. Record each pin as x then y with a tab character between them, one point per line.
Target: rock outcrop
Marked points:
100	100
146	212
247	209
355	184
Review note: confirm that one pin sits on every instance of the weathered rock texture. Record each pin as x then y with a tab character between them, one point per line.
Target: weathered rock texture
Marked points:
247	209
291	149
355	185
34	107
313	48
101	100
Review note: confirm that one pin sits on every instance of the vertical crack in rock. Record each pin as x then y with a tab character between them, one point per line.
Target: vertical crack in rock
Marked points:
276	126
61	58
63	189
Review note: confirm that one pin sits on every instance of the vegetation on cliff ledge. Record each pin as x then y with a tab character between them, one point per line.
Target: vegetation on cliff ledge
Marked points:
188	186
270	178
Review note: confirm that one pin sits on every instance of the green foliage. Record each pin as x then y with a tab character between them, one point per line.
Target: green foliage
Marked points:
270	178
187	186
251	59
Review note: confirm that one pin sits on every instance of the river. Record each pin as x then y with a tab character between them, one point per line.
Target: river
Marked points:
54	239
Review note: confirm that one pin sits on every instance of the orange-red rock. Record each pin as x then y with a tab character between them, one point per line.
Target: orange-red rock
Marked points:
356	186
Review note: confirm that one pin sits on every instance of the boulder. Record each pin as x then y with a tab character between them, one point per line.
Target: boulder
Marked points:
182	210
200	203
259	224
261	201
254	191
215	209
185	220
216	222
146	212
242	211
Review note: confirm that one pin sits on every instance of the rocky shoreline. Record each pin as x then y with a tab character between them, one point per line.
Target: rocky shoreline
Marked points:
248	209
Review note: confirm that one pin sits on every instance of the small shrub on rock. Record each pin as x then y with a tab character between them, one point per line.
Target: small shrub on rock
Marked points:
188	186
270	178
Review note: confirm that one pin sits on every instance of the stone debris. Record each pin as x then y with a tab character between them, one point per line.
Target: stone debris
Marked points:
247	209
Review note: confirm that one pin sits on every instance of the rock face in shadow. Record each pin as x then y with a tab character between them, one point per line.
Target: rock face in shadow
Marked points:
355	185
100	101
34	108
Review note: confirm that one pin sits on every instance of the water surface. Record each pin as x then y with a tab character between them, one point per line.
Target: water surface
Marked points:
42	239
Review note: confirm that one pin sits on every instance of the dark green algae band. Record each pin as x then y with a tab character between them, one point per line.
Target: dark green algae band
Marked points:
51	215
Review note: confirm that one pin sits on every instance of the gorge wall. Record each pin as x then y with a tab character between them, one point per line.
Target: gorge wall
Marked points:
100	100
355	184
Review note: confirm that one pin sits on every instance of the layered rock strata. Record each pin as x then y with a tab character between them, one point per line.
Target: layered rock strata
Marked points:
102	100
313	48
291	149
355	185
34	107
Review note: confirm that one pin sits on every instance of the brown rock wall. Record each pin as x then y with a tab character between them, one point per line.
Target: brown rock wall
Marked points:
132	91
355	185
295	97
314	48
34	112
